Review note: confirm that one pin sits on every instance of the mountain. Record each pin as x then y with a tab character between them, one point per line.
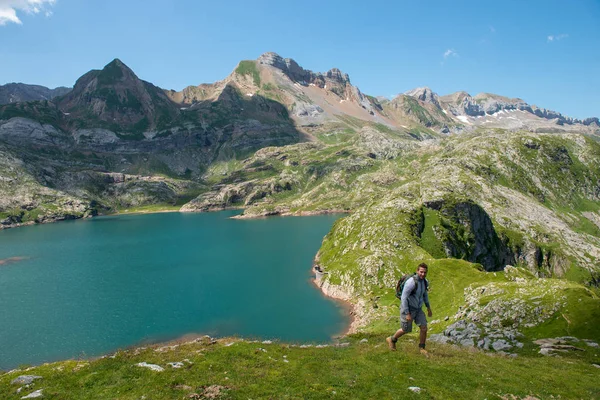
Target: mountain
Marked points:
21	92
116	98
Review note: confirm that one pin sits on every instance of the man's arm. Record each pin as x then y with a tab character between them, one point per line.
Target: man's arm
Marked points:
409	286
426	301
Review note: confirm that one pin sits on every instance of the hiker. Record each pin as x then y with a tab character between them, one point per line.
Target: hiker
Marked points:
414	294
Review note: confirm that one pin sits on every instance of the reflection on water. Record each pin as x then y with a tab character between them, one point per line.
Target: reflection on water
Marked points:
11	260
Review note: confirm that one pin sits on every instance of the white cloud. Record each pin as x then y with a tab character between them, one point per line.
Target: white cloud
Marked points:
9	8
450	53
552	38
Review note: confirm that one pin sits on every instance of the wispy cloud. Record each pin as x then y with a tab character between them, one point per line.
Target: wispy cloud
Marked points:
9	8
492	29
555	38
449	54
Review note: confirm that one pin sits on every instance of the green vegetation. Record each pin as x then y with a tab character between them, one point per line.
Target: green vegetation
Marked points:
413	107
429	240
248	67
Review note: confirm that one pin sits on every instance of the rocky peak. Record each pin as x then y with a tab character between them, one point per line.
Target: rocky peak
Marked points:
338	76
118	98
287	65
333	77
424	94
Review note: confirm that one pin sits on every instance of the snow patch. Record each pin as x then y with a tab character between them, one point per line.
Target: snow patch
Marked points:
464	119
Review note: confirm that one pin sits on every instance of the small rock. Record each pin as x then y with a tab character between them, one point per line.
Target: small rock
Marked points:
545	352
501	345
153	367
415	389
176	365
25	379
590	343
568	338
33	395
596	365
342	345
365	340
267	341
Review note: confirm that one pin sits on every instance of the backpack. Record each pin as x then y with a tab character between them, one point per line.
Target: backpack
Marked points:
402	282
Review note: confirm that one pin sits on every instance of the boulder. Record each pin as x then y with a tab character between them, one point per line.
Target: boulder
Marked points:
25	379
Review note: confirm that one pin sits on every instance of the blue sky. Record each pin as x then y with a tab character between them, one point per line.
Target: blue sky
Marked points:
545	52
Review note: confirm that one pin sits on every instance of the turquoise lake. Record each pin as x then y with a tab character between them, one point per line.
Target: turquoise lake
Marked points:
86	288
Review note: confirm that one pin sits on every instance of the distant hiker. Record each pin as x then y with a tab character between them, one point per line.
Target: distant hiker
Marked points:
414	294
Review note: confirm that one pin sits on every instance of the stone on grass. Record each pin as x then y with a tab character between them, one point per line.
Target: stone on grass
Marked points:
415	389
500	345
153	367
34	395
177	364
25	379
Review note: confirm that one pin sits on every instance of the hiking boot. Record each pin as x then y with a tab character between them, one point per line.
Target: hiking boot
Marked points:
391	343
424	352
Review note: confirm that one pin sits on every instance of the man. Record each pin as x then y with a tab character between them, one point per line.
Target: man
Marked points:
414	295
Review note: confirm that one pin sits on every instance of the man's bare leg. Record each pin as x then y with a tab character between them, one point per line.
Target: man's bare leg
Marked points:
422	339
391	340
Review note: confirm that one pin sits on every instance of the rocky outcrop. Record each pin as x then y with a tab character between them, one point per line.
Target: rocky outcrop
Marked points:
424	94
467	232
334	80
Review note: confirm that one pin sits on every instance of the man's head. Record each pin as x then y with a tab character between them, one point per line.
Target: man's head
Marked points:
422	271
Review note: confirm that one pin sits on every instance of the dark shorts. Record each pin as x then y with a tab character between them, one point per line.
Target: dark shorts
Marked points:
418	317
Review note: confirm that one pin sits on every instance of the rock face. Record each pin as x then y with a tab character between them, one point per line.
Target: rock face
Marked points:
468	233
20	92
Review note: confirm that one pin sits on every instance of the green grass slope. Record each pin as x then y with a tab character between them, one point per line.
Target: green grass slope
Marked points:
363	368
